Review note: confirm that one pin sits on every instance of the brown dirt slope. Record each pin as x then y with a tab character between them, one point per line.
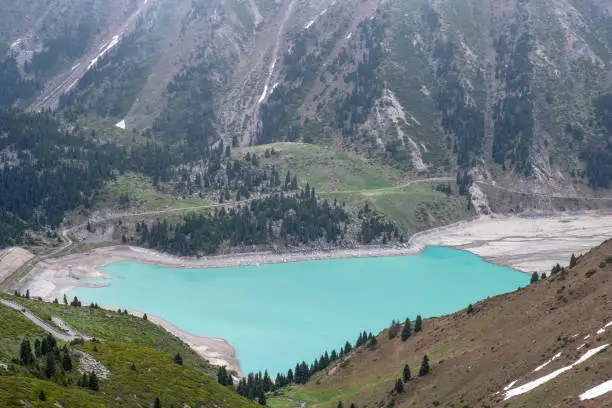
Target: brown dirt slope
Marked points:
474	356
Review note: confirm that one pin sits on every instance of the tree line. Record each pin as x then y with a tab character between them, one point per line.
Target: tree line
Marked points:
294	220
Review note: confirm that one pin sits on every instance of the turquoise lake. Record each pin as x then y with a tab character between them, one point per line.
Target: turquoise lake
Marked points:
276	315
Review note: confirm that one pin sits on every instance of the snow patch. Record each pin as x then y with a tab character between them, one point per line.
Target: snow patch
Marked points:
15	43
597	391
581	346
263	94
75	66
310	23
601	331
587	336
507	387
348	37
121	124
556	356
266	85
513	392
106	49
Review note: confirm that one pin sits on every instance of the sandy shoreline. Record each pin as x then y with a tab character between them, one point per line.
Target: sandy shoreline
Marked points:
524	243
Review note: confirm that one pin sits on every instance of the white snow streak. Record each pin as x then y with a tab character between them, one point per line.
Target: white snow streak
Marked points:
587	336
556	356
507	387
121	125
75	67
106	49
580	346
542	380
16	43
266	86
310	23
598	391
601	331
348	37
263	94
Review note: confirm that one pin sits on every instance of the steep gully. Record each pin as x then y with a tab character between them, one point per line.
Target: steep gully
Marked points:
64	82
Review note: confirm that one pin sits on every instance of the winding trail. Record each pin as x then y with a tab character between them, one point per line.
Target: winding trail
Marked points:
69	336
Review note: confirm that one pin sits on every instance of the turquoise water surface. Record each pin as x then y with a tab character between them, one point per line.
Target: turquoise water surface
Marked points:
276	315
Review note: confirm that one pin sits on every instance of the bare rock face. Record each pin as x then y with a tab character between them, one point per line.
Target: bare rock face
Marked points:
88	364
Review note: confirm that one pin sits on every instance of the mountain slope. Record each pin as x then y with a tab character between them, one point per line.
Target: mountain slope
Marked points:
477	357
515	91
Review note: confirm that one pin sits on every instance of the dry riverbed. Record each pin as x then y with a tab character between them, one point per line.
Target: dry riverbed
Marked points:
525	243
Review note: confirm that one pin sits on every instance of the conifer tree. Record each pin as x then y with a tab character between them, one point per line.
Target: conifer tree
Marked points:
399	386
262	399
535	277
470	308
157	403
406	330
418	324
145	317
222	375
65	299
25	353
573	261
93	382
37	350
372	342
83	381
339	404
424	366
67	361
50	365
406	373
42	396
290	378
178	359
27	295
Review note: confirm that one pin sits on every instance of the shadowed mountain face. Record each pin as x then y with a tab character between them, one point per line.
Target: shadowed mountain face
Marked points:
505	89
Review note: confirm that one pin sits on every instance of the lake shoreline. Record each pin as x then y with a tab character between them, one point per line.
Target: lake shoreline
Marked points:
526	244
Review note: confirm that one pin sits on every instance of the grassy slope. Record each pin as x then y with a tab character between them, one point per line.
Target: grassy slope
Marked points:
475	356
349	178
127	339
142	194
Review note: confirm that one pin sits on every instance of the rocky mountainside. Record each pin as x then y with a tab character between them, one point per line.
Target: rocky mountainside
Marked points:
516	91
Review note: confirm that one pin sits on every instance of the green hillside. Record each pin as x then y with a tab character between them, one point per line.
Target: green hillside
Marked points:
138	354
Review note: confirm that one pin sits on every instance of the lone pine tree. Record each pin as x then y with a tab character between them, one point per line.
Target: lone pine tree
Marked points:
424	366
407	330
406	373
399	386
418	324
